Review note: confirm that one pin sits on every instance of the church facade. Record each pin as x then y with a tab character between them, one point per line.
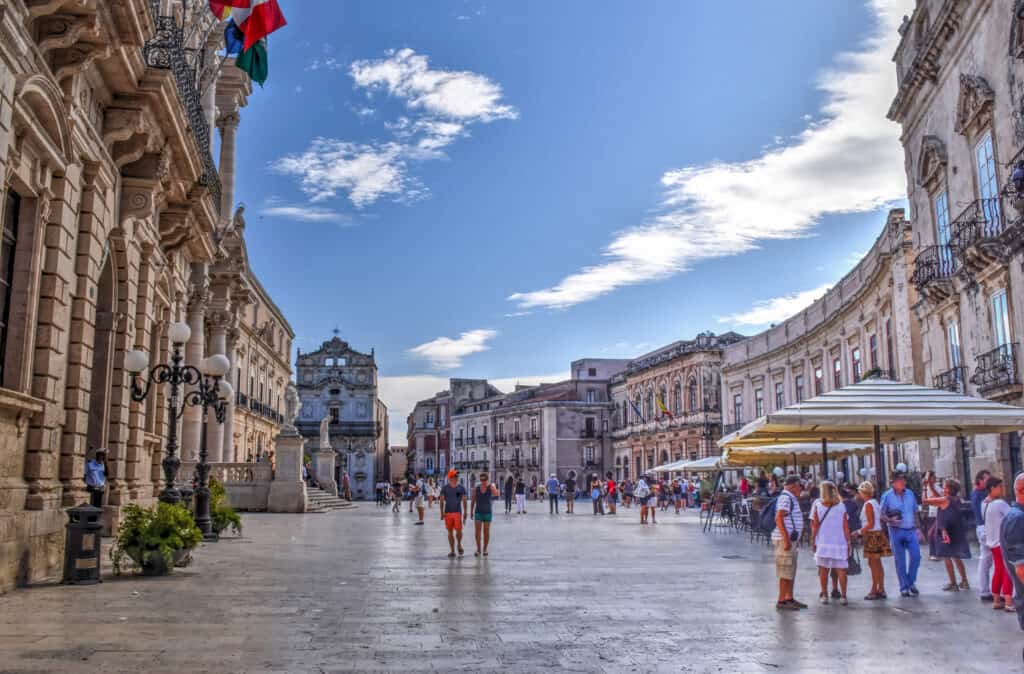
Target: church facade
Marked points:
338	385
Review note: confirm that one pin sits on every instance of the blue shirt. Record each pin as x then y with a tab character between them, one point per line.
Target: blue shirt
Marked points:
1011	536
906	504
977	497
553	486
95	474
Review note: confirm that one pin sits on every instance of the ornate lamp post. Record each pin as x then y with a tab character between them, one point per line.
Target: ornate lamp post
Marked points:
210	391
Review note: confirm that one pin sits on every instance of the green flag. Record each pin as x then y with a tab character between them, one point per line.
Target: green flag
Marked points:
254	62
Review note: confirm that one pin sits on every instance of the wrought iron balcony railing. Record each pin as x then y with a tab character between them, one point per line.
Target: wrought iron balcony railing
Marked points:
588	433
953	380
934	263
167	51
997	368
732	428
981	221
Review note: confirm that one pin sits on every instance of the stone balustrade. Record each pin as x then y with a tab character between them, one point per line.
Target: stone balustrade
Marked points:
247	484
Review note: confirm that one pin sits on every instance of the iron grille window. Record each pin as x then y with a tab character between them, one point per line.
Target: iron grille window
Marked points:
819	381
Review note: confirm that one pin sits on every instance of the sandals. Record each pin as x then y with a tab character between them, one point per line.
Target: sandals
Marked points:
461	551
951	587
873	596
965	585
451	555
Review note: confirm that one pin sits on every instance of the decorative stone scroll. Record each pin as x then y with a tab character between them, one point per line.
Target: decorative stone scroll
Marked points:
974	105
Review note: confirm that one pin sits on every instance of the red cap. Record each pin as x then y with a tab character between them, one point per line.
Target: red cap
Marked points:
453	473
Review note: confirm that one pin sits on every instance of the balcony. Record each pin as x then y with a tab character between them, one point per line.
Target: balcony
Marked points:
533	435
953	380
589	433
458	442
500	438
167	51
732	428
976	233
515	437
996	373
933	271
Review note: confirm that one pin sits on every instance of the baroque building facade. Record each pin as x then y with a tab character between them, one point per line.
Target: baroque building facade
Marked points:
959	103
684	377
862	325
535	431
337	387
116	221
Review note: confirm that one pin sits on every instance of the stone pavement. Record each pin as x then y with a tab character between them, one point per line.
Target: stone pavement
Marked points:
365	590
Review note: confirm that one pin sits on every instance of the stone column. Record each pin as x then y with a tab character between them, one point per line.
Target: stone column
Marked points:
218	321
228	436
228	125
194	354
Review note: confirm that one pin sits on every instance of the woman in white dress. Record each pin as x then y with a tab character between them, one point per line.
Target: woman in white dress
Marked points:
830	538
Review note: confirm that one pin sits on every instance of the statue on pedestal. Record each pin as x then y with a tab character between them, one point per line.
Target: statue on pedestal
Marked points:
325	433
291	410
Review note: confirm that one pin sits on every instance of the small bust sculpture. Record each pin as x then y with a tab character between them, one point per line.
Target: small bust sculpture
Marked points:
291	409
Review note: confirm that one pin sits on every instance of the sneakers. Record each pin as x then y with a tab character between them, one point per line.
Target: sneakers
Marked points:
785	606
418	523
904	593
914	591
823	598
987	598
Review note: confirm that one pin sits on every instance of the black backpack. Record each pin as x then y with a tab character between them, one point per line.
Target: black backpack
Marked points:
766	520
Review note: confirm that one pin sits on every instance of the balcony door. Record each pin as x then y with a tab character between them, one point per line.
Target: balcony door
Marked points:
988	183
1000	319
942	233
953	338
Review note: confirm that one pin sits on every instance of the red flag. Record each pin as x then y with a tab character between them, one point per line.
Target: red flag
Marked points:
222	8
259	20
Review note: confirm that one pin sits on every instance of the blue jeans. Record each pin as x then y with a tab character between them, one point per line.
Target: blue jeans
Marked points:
905	541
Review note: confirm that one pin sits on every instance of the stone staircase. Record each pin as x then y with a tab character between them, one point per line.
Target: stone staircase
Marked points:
320	501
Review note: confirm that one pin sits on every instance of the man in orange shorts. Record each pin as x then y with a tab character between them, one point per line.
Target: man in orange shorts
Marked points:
453	510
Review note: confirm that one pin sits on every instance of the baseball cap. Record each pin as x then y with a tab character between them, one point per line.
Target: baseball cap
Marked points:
453	473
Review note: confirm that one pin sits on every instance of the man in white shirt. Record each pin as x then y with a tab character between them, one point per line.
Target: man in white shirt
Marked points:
789	524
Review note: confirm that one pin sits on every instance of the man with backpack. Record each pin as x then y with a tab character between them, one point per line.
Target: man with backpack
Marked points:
789	525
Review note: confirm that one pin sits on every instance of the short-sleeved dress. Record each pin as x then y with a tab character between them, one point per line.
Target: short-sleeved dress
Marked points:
950	519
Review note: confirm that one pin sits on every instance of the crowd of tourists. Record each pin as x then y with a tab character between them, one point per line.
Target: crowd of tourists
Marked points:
897	524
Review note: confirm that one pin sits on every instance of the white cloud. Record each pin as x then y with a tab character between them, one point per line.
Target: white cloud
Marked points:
366	172
305	213
517	314
442	104
450	94
848	161
445	353
329	63
401	393
776	309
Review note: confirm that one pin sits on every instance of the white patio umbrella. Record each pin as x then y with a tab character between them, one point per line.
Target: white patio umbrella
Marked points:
877	408
669	467
798	453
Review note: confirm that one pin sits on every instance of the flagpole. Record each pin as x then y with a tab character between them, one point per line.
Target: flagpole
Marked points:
213	76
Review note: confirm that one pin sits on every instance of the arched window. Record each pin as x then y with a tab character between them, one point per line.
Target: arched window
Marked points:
677	398
649	409
639	407
692	394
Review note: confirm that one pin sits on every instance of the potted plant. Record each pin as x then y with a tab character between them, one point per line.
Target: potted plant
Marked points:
223	515
156	539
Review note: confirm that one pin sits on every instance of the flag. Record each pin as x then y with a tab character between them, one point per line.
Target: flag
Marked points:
222	8
258	20
636	410
254	62
664	410
234	39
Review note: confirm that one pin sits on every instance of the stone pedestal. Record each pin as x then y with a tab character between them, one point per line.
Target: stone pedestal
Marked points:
325	471
288	491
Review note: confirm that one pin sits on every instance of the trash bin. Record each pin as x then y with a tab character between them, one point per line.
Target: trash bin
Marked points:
82	548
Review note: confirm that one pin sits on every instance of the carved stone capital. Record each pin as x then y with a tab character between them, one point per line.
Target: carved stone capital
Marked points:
228	121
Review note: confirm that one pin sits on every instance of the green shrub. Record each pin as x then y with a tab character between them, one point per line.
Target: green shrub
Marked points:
223	515
150	537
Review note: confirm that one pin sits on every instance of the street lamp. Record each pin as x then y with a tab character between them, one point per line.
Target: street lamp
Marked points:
213	392
210	391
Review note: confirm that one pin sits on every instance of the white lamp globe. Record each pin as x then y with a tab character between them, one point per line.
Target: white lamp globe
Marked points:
179	332
863	472
216	366
840	475
136	361
901	467
225	391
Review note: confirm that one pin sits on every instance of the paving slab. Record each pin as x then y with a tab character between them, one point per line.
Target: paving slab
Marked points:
365	590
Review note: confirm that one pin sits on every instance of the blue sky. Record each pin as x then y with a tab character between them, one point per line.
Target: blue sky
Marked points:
495	189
